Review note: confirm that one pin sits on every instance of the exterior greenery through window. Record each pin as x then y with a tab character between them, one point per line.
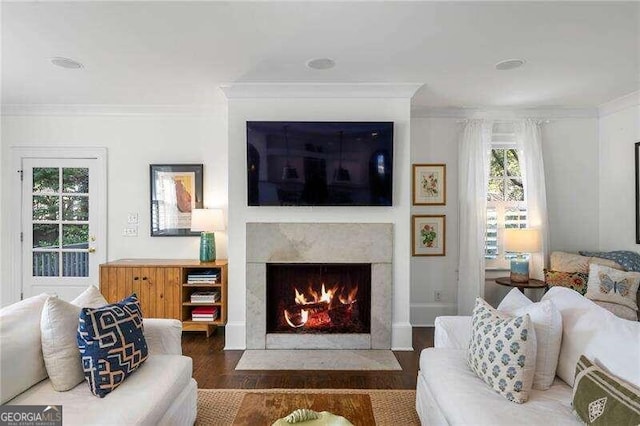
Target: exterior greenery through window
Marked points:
506	206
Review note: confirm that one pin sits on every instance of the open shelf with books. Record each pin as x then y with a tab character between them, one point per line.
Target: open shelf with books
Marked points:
204	296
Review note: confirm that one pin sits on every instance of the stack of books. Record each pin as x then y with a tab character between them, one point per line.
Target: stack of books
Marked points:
205	296
204	276
204	313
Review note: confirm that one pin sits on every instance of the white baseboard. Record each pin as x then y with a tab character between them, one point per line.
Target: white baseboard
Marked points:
401	337
234	336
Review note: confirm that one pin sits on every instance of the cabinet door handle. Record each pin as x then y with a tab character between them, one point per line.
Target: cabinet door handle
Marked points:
144	278
135	278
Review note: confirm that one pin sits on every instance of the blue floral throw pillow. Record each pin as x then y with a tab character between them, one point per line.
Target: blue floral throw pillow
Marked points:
502	351
111	343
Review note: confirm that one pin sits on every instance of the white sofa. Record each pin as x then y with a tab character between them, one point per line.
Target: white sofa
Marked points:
449	393
160	392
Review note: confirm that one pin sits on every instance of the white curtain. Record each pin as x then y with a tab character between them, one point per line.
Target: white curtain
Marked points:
529	143
473	175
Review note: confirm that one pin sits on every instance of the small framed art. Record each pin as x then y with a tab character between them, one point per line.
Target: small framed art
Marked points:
176	189
428	235
429	184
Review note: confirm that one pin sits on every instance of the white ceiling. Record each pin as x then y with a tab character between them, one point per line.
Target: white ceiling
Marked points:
579	54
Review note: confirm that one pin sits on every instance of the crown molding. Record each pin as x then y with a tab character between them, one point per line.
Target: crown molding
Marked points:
503	113
319	90
107	110
618	104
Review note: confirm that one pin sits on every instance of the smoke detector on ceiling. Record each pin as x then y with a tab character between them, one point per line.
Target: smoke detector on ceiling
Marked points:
321	63
509	64
66	63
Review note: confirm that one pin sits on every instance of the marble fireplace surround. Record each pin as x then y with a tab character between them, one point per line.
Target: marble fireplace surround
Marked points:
319	243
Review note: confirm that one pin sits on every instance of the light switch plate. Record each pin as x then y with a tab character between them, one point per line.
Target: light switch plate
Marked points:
132	218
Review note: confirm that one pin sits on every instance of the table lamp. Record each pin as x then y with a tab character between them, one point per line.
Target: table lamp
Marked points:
207	221
521	241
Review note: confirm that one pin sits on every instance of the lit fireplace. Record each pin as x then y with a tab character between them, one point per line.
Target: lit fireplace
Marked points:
318	298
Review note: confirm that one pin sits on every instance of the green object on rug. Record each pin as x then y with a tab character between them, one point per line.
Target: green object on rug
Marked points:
312	418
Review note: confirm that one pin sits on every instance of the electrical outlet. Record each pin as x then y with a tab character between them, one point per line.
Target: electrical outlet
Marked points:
437	295
131	231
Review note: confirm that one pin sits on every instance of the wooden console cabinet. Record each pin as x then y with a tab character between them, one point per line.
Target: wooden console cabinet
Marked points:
162	288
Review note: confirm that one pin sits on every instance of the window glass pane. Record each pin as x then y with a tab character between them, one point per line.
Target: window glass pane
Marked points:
45	264
46	179
496	165
513	163
75	208
75	236
496	189
491	238
46	236
515	190
75	264
45	207
75	180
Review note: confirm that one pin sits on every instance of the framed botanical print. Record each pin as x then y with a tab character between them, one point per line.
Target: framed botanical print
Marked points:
429	184
176	189
428	235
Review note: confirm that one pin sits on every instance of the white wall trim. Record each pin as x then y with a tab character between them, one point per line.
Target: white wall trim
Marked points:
15	194
618	104
503	113
319	90
235	337
106	110
402	333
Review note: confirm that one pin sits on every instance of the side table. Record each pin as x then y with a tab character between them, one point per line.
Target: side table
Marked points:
521	286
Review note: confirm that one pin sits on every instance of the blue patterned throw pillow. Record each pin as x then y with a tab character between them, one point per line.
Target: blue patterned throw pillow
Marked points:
629	260
111	343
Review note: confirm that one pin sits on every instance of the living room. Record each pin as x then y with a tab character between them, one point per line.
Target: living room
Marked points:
176	83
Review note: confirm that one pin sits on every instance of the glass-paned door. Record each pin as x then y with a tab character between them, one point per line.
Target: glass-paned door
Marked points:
59	226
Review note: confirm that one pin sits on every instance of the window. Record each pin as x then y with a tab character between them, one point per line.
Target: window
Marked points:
506	207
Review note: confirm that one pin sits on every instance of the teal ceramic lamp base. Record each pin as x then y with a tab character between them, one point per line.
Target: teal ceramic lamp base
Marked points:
519	270
207	247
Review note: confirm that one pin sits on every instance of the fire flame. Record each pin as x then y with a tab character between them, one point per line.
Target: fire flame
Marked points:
312	297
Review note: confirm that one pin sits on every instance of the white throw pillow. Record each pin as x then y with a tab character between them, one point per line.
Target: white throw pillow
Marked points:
588	329
547	322
90	298
611	285
502	351
58	327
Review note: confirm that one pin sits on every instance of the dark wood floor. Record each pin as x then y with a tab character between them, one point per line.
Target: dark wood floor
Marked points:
213	368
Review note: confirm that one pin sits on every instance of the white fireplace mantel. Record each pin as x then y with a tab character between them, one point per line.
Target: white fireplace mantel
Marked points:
319	243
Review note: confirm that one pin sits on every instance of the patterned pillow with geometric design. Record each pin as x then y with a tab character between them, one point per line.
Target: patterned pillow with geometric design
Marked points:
574	280
602	399
111	343
502	351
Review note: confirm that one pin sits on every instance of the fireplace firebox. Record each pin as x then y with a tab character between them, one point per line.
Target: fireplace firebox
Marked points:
319	298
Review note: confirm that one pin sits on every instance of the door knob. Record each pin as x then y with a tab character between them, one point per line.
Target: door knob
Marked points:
92	249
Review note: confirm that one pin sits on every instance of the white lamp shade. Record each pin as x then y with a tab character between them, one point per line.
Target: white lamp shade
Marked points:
207	220
522	240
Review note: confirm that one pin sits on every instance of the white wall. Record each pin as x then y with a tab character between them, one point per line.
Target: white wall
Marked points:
318	109
619	131
435	140
570	147
133	141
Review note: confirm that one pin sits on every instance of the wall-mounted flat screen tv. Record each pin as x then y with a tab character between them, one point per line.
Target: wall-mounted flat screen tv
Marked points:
303	163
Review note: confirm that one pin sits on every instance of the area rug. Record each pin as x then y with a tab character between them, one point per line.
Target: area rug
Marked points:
318	359
390	407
